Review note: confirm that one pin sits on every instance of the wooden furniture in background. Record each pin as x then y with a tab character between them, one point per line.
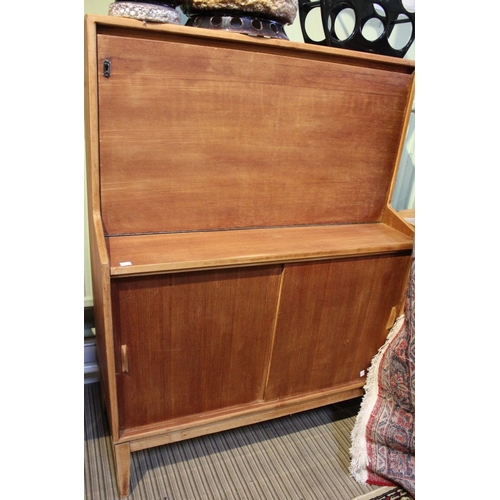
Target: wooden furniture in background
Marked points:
246	262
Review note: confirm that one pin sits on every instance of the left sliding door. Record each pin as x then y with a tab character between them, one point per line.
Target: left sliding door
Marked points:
192	343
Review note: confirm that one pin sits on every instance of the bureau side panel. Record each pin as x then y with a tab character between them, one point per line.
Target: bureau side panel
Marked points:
333	317
192	343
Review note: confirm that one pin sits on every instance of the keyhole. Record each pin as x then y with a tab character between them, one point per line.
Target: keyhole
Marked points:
106	68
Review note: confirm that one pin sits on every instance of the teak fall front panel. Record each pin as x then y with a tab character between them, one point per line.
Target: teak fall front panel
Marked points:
196	137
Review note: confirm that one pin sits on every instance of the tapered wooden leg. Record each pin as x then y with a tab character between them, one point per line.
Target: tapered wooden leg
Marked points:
122	465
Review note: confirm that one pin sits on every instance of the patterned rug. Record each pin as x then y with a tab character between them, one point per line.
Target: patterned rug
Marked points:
383	438
386	493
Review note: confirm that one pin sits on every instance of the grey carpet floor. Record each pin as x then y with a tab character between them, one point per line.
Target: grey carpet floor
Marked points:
299	457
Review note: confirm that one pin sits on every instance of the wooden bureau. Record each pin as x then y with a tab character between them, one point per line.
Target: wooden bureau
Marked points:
246	261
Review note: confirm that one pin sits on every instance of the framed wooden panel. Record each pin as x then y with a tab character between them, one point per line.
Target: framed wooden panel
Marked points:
192	343
196	137
333	317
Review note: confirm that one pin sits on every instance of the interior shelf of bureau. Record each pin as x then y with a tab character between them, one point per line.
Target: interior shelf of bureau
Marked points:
173	252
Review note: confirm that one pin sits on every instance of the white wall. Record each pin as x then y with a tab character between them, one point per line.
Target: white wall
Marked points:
99	7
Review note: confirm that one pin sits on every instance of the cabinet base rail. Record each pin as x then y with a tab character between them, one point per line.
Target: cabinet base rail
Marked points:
200	426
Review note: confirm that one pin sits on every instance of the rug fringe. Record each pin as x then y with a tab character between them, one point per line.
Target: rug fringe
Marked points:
359	453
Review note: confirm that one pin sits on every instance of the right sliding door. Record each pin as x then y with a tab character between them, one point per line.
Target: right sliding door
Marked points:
333	317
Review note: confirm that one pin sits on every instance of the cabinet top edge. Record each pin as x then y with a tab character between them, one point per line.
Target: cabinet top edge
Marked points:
97	23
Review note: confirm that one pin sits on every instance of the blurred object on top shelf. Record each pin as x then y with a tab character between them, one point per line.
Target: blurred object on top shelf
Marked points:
265	18
156	11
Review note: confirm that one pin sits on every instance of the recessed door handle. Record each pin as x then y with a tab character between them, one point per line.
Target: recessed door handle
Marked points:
124	353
